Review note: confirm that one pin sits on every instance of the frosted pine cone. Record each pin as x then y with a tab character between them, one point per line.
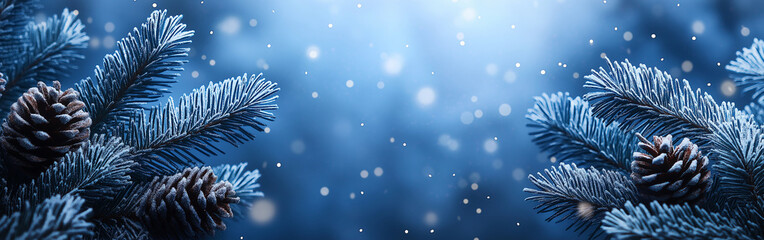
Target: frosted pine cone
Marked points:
187	204
43	125
670	174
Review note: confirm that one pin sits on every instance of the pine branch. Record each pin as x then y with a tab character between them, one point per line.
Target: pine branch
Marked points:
749	216
139	72
565	128
749	68
651	102
583	195
244	184
55	218
97	174
120	228
661	221
739	151
756	110
167	138
14	17
49	49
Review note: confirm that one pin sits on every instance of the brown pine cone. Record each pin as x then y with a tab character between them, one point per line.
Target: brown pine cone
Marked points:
670	174
188	204
43	125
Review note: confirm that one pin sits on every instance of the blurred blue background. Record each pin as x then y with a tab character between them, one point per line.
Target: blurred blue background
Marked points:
405	119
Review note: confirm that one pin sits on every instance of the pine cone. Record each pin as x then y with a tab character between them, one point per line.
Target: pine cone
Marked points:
43	125
187	204
670	174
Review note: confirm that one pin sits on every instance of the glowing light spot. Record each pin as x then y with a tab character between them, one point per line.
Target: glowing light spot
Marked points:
314	94
478	211
364	173
687	66
698	27
262	211
425	96
490	146
94	42
349	83
728	88
313	52
478	113
653	35
230	25
466	201
585	210
474	186
109	27
505	109
212	62
469	14
518	174
462	43
253	22
297	147
195	74
324	191
745	31
466	118
331	25
378	171
628	36
430	218
393	64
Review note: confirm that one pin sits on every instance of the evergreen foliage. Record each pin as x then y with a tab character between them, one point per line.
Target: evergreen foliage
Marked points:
99	189
663	221
565	127
133	76
628	99
584	195
56	218
166	138
46	53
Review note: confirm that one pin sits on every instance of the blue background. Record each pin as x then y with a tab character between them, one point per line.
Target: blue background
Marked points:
413	47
